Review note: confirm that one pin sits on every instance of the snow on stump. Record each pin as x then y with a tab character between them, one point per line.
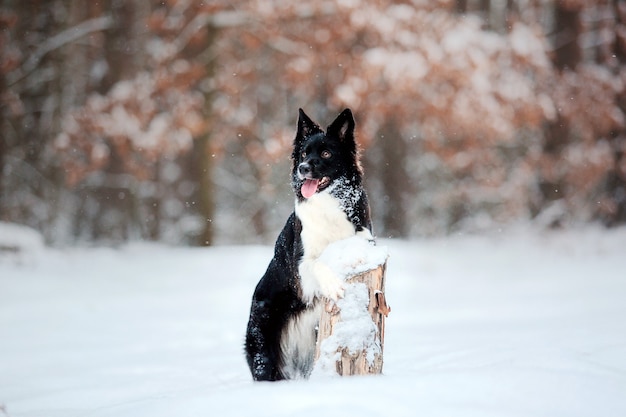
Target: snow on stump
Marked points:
351	331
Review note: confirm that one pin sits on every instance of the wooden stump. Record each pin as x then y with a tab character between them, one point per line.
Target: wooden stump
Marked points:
355	357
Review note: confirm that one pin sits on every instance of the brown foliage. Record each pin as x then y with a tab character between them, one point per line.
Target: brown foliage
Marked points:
478	123
140	120
154	115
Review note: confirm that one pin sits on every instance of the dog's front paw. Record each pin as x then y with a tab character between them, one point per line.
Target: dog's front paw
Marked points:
331	286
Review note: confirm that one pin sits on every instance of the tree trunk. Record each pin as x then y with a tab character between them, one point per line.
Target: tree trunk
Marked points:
369	359
567	56
204	161
568	28
612	211
461	6
394	179
204	170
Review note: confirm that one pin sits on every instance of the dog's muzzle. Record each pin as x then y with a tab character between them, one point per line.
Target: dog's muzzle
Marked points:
304	170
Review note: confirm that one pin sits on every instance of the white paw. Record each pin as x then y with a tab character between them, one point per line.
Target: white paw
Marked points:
330	286
318	280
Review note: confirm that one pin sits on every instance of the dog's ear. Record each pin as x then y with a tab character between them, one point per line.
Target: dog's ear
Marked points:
306	126
343	126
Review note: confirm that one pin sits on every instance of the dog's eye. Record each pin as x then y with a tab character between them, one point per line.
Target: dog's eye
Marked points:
326	154
303	155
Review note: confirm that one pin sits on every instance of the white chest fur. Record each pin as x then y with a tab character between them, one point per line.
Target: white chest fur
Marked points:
323	222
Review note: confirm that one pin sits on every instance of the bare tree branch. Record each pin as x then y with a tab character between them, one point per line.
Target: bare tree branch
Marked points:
57	41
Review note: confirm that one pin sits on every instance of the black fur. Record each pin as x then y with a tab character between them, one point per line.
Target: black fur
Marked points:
278	298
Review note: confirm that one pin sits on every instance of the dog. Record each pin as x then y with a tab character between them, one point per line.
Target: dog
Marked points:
330	205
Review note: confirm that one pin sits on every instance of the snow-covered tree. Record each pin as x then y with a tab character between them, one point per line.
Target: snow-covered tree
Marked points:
173	120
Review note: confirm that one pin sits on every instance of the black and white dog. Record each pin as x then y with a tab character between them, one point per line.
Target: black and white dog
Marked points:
331	205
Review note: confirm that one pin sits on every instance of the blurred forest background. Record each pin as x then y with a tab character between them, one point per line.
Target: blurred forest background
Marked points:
173	120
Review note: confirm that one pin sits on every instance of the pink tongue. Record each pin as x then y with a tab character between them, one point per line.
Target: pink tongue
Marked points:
309	188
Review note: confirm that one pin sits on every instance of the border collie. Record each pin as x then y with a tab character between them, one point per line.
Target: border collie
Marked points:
331	205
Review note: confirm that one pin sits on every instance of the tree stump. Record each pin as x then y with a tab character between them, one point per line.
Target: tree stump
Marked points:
351	332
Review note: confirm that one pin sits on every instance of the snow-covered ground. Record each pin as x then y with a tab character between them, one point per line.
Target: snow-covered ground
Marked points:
518	324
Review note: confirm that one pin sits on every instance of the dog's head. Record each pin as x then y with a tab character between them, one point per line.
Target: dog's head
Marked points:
320	158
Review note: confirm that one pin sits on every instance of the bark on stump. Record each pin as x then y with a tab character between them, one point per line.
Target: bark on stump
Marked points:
361	362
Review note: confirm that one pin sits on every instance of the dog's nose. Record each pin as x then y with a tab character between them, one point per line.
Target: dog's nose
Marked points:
304	169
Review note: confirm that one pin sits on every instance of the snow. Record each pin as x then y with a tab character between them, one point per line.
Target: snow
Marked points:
351	256
515	324
18	241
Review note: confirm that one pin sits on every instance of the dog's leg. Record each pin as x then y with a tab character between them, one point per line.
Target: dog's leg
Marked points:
319	280
262	350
